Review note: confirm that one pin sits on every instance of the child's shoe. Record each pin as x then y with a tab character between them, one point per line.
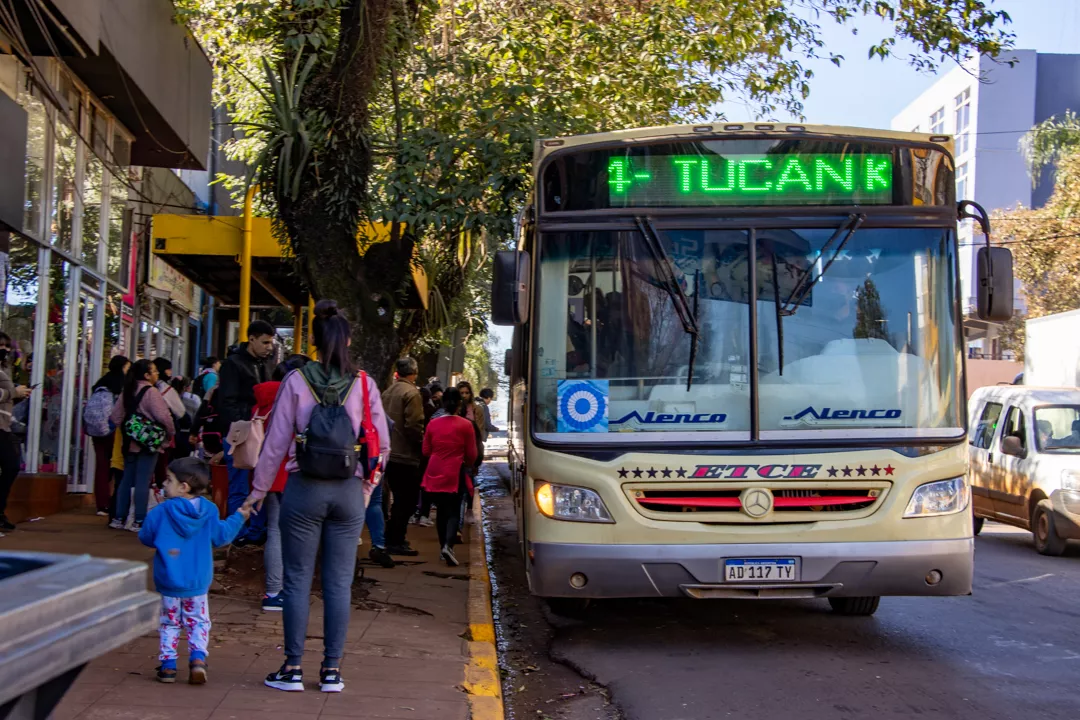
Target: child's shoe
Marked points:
274	603
196	672
166	672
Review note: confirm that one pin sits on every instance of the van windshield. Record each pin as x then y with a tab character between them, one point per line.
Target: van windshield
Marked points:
1057	429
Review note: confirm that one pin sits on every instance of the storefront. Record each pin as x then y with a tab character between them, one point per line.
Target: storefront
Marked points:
67	280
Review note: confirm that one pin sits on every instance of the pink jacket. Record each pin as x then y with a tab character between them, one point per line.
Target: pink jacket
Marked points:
292	412
152	406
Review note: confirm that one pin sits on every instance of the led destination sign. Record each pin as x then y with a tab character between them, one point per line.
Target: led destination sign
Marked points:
743	179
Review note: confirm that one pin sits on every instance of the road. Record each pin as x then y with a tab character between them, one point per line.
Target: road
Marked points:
1011	650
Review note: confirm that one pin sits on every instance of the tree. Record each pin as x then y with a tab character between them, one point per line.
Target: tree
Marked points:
1049	141
423	113
1046	251
869	316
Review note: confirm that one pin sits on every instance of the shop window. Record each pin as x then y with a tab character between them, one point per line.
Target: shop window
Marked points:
93	188
37	133
114	335
59	304
64	195
119	239
19	296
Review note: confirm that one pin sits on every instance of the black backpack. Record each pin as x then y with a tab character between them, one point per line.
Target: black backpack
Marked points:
329	448
199	386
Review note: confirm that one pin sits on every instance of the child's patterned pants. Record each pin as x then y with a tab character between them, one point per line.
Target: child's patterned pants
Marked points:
192	613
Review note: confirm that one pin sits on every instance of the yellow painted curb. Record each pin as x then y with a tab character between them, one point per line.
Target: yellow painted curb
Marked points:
482	681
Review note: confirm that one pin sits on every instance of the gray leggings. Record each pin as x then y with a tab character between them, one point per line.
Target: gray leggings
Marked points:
272	549
330	511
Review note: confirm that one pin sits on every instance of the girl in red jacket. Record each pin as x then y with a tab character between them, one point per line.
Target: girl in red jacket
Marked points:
265	394
450	446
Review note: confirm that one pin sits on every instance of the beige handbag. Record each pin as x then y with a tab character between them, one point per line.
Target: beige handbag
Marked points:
245	440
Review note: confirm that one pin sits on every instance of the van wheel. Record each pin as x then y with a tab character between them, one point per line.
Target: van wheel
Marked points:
574	608
861	606
978	524
1047	540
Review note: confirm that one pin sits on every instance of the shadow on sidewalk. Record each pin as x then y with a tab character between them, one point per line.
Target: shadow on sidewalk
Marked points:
405	654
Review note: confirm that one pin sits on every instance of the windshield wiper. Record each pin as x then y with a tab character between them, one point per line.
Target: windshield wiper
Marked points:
804	283
665	268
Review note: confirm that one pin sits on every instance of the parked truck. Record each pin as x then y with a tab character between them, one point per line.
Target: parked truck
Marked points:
1052	352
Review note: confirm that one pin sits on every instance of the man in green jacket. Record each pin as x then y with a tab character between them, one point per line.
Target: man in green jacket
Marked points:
405	408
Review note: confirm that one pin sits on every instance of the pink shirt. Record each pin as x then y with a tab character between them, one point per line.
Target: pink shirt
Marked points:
291	414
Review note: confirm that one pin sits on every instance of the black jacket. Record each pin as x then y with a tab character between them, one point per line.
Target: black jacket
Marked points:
240	373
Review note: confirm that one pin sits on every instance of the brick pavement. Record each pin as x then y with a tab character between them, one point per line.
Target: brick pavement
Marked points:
406	654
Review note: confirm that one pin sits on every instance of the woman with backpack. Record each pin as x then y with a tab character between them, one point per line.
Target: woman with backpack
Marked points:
147	426
335	415
102	400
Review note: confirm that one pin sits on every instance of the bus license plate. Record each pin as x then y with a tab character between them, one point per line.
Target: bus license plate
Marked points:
761	570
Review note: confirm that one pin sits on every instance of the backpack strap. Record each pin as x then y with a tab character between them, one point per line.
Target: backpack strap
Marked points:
138	399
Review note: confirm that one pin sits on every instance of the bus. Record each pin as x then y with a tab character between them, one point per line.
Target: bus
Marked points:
737	366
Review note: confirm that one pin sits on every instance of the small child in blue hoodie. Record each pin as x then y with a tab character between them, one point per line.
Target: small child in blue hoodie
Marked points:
184	530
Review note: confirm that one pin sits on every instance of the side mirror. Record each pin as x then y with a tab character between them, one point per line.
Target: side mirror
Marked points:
1010	445
995	299
510	288
508	366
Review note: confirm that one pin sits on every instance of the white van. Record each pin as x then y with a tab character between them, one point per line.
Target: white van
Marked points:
1024	445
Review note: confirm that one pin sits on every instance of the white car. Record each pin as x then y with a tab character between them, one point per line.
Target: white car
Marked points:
1024	447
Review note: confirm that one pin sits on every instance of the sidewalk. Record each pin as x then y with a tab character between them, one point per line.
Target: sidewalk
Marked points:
410	651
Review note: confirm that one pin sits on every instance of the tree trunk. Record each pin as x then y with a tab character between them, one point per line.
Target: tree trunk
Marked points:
321	222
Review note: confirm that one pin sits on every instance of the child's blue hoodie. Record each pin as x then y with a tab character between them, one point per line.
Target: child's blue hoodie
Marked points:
184	532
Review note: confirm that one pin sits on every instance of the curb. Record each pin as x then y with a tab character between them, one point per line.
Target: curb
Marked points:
482	681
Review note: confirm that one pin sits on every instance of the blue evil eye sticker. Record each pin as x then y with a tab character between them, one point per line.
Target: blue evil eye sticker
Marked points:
583	406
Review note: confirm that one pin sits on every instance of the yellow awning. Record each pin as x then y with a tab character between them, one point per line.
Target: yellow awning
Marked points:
198	245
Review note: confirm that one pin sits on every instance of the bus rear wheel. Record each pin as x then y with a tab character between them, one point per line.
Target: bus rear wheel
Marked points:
574	608
855	606
977	524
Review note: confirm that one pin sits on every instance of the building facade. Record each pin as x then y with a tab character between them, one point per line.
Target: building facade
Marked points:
101	100
987	107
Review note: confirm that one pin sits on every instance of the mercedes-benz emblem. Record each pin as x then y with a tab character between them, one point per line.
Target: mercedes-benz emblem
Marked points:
757	502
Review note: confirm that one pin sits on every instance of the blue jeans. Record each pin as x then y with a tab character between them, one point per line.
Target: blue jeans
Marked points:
239	488
138	469
373	518
320	522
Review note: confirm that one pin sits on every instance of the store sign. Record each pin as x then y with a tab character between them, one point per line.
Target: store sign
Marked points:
181	291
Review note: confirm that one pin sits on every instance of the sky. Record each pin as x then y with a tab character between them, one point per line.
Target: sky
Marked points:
868	93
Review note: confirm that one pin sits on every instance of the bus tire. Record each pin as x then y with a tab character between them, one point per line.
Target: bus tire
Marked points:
855	606
575	608
978	524
1047	540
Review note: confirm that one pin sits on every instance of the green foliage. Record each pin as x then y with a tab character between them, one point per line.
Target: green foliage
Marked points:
478	367
426	112
1049	141
1046	251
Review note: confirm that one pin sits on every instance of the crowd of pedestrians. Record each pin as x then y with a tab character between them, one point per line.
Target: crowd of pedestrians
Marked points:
312	450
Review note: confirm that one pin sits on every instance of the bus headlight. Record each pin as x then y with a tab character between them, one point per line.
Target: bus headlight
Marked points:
566	502
943	497
1070	480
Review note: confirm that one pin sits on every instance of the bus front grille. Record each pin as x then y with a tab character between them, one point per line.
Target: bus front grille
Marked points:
695	503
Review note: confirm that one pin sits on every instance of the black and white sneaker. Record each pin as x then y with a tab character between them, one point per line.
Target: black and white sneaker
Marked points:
330	680
449	556
287	680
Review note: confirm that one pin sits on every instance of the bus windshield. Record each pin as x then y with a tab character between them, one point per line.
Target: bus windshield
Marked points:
855	338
